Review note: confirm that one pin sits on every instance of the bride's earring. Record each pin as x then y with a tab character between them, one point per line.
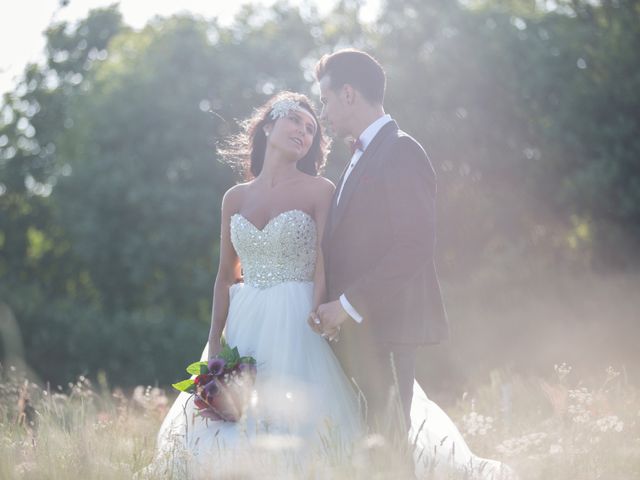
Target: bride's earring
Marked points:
266	133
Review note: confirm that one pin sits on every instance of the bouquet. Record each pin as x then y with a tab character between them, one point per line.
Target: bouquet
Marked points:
221	387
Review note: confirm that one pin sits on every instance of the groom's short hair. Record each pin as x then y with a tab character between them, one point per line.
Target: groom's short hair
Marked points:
356	68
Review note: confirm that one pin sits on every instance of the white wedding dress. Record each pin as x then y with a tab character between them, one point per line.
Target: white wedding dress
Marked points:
303	408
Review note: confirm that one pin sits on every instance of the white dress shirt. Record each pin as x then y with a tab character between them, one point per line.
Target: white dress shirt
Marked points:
366	137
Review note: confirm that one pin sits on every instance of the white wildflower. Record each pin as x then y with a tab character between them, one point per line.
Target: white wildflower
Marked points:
520	445
562	370
609	424
475	424
611	373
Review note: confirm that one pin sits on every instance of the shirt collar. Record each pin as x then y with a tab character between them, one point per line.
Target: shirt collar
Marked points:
372	130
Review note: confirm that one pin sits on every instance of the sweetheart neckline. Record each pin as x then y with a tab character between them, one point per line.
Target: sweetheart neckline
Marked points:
272	219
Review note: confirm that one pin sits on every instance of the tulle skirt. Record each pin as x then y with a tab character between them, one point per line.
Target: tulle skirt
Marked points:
304	408
303	404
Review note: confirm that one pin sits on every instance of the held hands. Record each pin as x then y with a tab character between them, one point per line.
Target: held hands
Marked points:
327	319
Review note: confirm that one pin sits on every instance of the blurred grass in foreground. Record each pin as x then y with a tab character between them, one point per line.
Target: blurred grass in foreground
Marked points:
557	428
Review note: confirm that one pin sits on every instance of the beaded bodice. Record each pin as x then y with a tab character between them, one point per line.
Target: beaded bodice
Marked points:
283	251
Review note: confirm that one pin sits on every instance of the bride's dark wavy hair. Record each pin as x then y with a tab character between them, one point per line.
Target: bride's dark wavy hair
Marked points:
245	151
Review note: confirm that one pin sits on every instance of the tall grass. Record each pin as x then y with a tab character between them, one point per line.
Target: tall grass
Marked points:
557	427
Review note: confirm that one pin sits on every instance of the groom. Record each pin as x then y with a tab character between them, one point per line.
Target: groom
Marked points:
378	243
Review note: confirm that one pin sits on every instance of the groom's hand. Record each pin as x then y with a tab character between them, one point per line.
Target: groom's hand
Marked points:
332	316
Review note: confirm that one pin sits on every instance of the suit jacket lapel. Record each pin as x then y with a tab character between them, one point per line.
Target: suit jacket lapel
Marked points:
355	176
340	182
332	210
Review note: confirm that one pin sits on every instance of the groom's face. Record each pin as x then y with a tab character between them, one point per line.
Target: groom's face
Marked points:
334	109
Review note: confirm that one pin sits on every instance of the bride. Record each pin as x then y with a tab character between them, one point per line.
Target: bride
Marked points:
270	278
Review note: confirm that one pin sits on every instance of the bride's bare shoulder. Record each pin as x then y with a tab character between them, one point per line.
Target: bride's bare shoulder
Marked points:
233	197
322	185
321	190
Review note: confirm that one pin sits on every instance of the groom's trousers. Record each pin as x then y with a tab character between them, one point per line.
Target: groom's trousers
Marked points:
383	374
397	373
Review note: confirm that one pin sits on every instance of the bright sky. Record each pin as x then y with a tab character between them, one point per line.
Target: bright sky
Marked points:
23	21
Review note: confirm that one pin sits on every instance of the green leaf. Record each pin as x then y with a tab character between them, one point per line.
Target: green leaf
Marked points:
196	368
236	354
227	354
249	360
187	385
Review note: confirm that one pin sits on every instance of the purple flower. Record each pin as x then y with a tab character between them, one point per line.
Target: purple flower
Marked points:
216	366
210	389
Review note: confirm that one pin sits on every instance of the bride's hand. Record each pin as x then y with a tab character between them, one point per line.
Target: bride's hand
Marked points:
314	322
214	349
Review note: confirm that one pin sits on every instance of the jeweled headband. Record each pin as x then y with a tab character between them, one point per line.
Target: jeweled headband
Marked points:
282	107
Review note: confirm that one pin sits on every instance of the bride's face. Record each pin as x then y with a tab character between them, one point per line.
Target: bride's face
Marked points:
292	133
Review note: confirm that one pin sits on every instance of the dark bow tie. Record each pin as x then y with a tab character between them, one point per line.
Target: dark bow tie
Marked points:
356	145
